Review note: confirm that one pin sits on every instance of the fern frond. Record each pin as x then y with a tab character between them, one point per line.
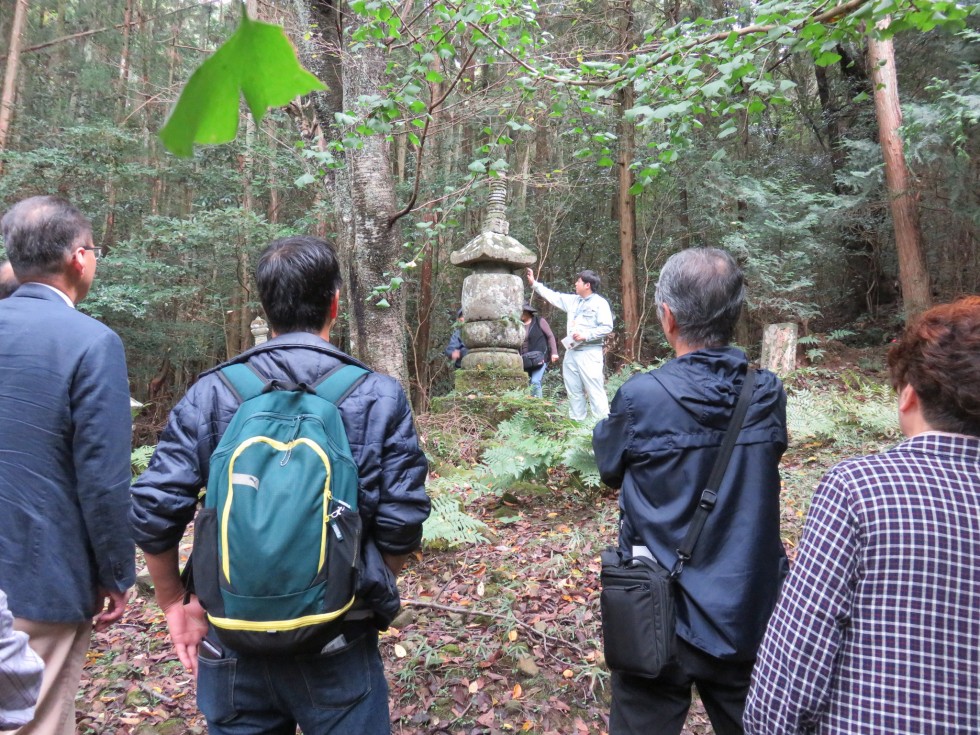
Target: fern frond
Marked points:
449	523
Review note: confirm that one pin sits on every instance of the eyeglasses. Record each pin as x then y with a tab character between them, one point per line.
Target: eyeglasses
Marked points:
96	251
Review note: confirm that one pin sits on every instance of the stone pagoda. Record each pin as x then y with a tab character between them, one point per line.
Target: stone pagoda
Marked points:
492	297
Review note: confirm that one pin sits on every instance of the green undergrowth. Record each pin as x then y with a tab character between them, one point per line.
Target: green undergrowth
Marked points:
831	416
520	447
848	409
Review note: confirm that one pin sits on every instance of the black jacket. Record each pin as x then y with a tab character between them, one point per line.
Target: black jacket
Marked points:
456	343
391	466
659	444
538	336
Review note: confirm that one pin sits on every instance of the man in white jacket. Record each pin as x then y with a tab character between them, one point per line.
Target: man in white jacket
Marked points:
589	320
20	673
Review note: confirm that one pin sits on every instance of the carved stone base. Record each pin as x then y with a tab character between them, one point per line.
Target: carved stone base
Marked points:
489	380
493	358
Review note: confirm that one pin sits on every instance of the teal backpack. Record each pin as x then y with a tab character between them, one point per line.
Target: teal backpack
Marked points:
276	544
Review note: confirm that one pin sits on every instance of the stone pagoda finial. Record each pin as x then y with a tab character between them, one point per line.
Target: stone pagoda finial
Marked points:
497	207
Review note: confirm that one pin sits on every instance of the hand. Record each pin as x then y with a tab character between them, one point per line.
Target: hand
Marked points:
554	358
395	562
455	355
113	607
188	625
530	277
578	337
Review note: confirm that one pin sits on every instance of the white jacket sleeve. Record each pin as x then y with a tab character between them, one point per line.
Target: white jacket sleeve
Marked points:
563	301
20	673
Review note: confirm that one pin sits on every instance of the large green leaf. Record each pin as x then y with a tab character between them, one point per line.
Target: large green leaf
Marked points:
258	61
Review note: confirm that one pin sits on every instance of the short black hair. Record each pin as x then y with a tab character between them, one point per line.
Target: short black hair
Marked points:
297	279
39	232
591	278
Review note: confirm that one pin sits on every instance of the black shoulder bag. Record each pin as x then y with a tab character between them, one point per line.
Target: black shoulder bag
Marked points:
637	600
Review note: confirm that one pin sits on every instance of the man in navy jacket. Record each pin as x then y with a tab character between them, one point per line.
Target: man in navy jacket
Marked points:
343	689
658	446
66	550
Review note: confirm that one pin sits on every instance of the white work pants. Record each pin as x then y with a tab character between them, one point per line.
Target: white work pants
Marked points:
582	372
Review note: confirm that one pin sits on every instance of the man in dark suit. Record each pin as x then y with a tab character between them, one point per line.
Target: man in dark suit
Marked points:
66	548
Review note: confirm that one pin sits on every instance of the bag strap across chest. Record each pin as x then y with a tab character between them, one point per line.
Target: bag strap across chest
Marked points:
709	496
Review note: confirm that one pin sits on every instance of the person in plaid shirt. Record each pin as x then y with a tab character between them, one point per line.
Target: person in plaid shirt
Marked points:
877	627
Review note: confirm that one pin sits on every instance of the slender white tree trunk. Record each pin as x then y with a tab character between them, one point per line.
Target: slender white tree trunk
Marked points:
10	73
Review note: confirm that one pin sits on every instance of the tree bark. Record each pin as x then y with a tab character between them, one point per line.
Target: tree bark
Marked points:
10	74
913	274
363	189
124	62
626	204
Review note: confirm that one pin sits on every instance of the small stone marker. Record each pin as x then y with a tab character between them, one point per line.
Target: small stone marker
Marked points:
779	348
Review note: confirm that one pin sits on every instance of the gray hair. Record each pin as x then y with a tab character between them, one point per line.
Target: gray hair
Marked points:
705	291
39	232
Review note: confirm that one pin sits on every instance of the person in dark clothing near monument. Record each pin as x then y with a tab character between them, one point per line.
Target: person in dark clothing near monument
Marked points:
538	339
456	350
658	446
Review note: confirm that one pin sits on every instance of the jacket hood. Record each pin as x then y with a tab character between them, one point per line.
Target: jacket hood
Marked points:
703	384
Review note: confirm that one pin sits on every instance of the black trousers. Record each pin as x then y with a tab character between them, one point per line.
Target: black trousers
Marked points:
659	706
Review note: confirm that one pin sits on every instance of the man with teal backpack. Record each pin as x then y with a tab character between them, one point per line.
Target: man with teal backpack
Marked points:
315	497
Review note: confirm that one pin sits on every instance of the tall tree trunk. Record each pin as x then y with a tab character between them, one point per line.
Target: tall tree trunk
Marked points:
10	74
626	211
423	335
420	370
913	275
371	242
684	217
241	299
123	82
363	189
626	202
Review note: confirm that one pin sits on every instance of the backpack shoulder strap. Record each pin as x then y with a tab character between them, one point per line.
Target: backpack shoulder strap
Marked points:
243	380
336	385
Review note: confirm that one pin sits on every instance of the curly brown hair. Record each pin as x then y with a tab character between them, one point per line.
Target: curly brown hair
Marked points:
939	356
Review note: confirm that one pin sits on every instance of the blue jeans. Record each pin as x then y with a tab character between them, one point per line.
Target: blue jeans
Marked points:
339	693
536	375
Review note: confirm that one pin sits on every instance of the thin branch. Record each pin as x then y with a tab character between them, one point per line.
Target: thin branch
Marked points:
92	32
425	130
158	695
497	616
838	11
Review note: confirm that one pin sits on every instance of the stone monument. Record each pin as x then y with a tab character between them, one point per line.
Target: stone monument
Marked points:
260	330
492	298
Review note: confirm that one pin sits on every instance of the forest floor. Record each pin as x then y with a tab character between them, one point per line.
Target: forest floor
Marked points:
497	638
501	637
